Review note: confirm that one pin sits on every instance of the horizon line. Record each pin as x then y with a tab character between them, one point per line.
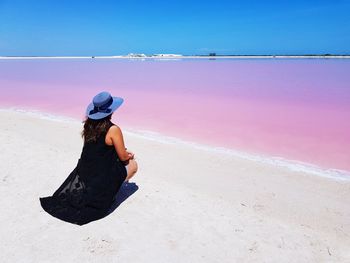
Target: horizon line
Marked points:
178	56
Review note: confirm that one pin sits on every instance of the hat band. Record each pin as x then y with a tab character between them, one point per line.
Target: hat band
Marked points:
103	108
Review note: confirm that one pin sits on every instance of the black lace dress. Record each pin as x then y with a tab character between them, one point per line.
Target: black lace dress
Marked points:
88	192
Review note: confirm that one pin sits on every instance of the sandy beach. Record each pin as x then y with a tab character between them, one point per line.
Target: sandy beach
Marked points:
187	204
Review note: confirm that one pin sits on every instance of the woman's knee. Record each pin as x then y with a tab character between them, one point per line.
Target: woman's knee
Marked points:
133	166
131	169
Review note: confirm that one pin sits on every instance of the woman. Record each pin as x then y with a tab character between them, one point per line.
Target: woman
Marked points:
88	192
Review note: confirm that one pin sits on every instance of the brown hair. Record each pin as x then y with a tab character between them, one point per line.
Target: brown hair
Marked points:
93	129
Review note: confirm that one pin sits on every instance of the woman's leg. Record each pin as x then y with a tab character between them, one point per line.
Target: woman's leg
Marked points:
131	169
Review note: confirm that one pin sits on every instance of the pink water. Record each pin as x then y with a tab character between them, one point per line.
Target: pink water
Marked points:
295	109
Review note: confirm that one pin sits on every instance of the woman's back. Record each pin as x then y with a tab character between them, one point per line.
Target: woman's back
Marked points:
88	192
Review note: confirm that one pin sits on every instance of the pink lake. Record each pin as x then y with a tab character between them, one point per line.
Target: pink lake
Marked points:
295	109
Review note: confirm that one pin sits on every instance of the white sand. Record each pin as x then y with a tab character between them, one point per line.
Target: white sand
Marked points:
191	206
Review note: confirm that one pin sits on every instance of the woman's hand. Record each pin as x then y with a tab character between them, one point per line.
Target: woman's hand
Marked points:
131	155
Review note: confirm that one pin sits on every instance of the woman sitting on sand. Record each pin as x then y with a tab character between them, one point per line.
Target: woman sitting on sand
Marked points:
88	192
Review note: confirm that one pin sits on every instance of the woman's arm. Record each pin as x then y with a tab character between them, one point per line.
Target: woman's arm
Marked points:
116	136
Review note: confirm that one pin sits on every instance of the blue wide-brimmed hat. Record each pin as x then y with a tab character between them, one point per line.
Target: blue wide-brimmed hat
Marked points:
102	105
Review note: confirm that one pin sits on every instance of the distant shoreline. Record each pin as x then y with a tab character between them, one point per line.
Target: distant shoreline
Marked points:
184	57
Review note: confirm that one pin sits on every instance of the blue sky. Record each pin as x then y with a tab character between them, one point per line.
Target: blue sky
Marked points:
91	27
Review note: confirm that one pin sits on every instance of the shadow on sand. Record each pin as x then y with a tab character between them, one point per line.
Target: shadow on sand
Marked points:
126	190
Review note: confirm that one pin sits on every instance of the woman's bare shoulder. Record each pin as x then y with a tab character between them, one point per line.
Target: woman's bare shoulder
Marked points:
114	129
114	132
114	126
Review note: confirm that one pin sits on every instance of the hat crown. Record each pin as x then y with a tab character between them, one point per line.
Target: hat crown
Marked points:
102	105
101	99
